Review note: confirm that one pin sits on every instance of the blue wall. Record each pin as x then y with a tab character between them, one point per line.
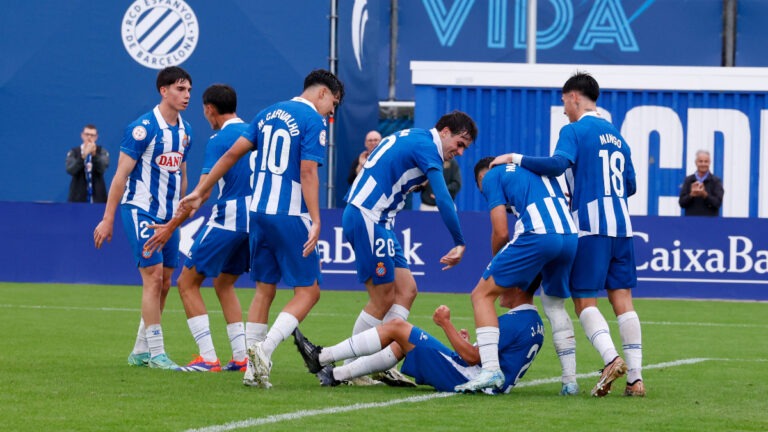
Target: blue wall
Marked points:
664	131
65	63
673	258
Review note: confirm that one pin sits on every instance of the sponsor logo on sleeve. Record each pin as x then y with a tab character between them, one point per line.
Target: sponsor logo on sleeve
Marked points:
322	138
139	133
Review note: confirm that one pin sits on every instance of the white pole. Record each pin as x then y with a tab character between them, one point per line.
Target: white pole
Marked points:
331	166
531	27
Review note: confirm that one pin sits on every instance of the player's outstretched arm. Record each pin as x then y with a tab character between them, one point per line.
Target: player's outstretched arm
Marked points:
458	339
163	232
104	229
448	213
505	159
453	257
226	161
310	190
499	229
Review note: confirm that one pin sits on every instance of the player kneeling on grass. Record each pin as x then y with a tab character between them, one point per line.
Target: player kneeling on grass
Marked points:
427	359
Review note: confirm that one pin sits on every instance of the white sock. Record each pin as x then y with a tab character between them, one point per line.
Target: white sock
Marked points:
201	331
488	342
236	333
377	362
632	344
397	311
155	340
363	322
562	335
255	332
361	344
596	329
140	346
284	325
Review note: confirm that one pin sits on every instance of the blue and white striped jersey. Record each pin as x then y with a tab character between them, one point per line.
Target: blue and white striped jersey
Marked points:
396	166
601	178
284	134
159	149
236	186
521	336
537	201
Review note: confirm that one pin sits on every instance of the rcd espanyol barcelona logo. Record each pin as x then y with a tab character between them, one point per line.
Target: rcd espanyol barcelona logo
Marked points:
159	33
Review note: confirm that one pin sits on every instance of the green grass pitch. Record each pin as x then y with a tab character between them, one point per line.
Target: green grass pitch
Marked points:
63	367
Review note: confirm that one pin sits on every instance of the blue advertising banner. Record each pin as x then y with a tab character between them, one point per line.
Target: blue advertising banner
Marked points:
359	34
628	32
676	257
701	257
750	28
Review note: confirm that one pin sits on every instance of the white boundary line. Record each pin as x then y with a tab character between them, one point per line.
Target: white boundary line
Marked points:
693	280
415	399
425	317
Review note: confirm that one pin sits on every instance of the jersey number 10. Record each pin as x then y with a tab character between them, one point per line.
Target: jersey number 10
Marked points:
271	142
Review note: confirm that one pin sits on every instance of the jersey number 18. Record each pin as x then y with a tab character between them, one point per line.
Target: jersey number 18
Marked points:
613	172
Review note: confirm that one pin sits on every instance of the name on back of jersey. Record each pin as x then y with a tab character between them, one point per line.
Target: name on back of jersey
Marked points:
285	117
610	139
538	329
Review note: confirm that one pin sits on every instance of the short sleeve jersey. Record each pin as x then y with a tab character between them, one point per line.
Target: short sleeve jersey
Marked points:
521	336
159	149
284	134
230	212
537	201
602	167
395	167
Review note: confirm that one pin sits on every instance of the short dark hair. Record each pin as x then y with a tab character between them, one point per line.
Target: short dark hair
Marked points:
484	163
90	126
171	75
583	83
222	97
325	78
458	123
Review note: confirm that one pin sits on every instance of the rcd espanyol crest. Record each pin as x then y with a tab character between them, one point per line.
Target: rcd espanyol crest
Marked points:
159	33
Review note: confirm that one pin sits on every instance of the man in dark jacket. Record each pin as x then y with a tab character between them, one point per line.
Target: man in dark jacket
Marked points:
86	164
702	192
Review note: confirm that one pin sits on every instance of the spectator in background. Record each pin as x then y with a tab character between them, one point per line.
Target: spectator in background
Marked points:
452	176
86	164
372	139
702	192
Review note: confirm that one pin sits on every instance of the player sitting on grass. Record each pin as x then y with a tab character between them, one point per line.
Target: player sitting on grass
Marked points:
427	359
